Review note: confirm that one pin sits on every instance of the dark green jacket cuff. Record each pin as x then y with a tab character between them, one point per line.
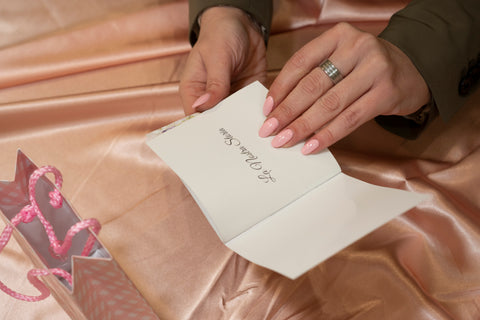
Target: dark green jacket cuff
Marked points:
260	10
442	38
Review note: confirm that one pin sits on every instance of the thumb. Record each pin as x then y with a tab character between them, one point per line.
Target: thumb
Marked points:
217	86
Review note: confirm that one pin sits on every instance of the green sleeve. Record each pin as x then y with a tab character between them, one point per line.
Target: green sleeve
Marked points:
260	10
442	38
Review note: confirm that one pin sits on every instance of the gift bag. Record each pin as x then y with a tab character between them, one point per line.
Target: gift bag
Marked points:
77	270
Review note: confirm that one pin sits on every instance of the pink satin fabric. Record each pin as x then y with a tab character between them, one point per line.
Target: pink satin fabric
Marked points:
82	84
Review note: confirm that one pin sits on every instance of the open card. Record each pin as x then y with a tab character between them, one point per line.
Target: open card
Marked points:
275	207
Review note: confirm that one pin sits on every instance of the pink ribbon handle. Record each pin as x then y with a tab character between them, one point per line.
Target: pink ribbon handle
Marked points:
60	248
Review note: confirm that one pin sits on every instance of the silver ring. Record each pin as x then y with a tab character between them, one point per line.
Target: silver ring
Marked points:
331	71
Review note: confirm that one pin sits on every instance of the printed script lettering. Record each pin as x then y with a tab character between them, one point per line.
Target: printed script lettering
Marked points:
252	160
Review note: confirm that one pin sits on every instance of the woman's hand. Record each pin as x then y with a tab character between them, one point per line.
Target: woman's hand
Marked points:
303	102
230	52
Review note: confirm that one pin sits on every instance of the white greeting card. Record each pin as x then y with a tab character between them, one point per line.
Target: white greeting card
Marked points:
275	207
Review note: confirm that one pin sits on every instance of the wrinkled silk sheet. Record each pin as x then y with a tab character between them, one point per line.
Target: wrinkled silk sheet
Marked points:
82	82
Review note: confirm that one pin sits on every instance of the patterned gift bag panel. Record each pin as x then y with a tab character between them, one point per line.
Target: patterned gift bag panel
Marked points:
103	291
14	194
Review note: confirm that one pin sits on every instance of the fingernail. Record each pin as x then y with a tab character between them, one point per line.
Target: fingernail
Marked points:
282	138
268	106
310	146
201	100
268	127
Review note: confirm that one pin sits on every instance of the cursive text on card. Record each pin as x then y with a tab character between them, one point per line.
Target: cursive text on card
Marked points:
252	160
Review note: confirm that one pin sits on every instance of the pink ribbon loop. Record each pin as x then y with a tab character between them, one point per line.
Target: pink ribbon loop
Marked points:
60	248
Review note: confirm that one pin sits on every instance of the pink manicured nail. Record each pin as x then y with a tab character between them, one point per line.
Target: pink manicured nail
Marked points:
282	138
310	146
268	127
268	106
201	100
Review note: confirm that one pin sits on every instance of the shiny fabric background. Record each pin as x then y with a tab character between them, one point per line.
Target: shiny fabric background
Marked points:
82	83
